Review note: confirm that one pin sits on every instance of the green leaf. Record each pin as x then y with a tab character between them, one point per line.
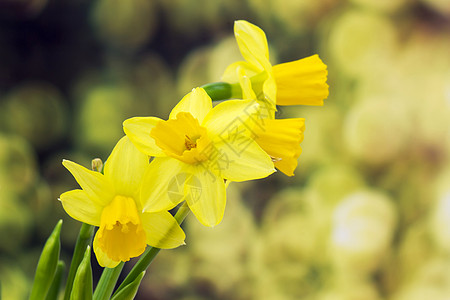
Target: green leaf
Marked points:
84	239
82	284
53	291
107	282
129	291
46	268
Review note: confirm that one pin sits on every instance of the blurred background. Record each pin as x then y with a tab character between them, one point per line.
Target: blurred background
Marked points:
367	215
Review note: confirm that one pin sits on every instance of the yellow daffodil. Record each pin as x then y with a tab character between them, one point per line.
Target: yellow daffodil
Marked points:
112	202
195	150
299	82
279	138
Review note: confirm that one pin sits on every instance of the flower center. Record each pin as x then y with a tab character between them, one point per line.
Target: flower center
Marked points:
189	144
121	235
182	138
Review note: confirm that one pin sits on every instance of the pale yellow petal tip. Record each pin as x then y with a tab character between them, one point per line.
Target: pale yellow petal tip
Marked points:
209	224
240	22
243	24
66	163
126	123
200	92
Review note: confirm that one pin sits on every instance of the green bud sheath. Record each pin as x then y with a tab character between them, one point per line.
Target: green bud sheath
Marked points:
48	262
82	284
218	90
129	291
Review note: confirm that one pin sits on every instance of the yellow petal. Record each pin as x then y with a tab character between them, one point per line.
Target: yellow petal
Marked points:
252	43
197	103
270	89
79	206
246	85
231	72
138	131
261	87
125	168
103	259
162	230
162	184
242	160
207	195
303	81
232	117
95	184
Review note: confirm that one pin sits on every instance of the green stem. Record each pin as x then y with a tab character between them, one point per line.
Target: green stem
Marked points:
182	213
107	282
150	253
84	239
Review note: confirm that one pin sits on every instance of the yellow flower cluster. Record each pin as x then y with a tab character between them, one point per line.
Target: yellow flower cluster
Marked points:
194	154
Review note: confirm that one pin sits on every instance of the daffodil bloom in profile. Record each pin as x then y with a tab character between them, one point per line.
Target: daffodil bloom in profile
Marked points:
280	138
298	82
112	202
195	151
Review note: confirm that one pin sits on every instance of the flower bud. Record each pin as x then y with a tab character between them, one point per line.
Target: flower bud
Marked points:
82	284
47	265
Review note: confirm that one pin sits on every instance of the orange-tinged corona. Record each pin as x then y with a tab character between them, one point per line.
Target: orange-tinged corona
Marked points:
182	138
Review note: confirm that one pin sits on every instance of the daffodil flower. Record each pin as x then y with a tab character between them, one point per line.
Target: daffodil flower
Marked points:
299	82
112	201
195	151
280	138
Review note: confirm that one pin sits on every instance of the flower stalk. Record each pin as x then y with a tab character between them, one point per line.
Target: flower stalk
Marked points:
107	282
150	253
